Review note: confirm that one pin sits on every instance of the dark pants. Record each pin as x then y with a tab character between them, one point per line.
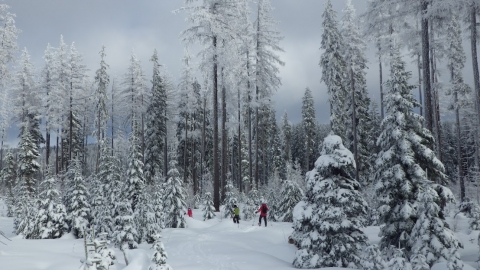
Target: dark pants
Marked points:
260	221
236	219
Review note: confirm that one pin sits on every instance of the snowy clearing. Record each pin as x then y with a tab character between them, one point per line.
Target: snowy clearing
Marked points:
214	244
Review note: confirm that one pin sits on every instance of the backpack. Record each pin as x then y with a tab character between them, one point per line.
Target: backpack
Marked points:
264	209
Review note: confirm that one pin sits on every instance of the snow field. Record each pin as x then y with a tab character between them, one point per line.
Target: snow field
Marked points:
216	244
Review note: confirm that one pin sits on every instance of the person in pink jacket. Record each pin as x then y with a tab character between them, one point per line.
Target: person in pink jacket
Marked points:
263	213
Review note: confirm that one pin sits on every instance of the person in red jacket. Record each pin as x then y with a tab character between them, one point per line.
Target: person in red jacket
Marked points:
189	212
263	214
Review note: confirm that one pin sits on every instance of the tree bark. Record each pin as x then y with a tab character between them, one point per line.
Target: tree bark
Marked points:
426	68
382	112
354	126
216	178
420	97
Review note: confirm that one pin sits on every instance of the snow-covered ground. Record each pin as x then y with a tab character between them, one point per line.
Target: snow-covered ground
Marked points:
214	244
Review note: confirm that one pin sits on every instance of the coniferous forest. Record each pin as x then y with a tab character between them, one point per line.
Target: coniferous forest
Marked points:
117	159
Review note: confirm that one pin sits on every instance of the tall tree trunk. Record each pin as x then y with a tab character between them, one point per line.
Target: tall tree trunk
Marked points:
70	135
354	126
240	180
165	148
111	117
382	112
435	101
426	68
459	143
185	146
56	154
257	134
476	76
224	138
202	161
216	178
420	97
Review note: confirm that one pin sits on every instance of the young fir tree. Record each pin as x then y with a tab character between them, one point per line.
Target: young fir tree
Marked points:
156	124
334	70
8	176
145	214
309	125
98	206
159	258
125	235
25	211
404	156
174	199
76	200
230	198
358	102
135	178
431	236
208	208
51	219
398	261
332	212
372	259
27	157
158	200
291	194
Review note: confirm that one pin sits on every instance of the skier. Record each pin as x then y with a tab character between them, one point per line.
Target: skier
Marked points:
263	213
236	214
189	212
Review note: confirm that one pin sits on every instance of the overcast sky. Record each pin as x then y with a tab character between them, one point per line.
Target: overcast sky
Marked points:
146	25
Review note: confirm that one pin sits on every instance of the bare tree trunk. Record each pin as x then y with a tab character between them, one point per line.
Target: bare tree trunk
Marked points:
250	154
165	148
111	117
224	138
257	134
56	154
202	161
240	180
382	112
185	146
420	97
476	76
426	68
70	136
354	121
459	144
435	102
216	178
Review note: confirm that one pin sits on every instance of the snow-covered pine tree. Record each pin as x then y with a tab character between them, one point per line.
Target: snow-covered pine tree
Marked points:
147	224
135	178
208	208
25	211
76	200
273	197
286	130
419	262
372	259
291	194
398	261
404	155
334	70
431	236
174	199
358	102
249	209
159	257
230	198
158	200
156	130
125	235
309	125
51	219
332	212
8	176
103	256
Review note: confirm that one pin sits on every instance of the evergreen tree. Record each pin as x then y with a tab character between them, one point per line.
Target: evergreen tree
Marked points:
27	158
159	258
332	212
76	201
431	236
8	176
51	219
404	156
135	178
372	259
291	194
147	224
125	235
334	70
308	122
230	198
358	102
25	211
174	199
156	124
208	208
398	261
